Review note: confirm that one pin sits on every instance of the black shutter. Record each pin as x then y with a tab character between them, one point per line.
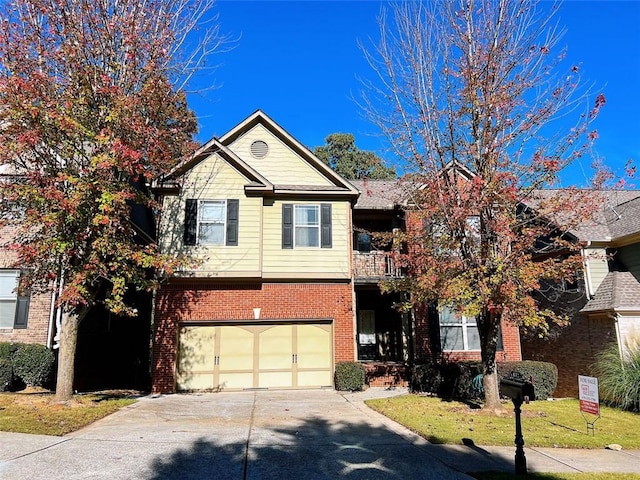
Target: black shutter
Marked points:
22	312
232	222
191	222
287	226
325	225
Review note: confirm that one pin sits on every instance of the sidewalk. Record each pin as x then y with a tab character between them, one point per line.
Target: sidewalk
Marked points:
474	458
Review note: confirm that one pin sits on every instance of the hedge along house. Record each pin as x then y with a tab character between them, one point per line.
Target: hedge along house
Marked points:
270	302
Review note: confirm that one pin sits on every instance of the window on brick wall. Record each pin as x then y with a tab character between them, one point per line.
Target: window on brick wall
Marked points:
14	305
459	332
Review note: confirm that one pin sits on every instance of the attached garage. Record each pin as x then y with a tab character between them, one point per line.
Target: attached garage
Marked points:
244	356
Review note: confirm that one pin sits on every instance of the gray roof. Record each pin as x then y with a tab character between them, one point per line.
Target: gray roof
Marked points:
618	291
617	214
379	194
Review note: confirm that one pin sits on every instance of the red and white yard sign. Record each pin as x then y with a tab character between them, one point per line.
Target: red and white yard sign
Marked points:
589	401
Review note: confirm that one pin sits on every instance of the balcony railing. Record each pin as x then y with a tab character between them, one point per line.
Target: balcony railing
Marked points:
374	266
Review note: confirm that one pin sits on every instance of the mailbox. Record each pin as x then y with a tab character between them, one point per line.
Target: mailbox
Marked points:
518	389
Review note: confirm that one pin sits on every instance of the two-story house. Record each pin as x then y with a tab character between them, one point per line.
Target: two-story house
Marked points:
270	303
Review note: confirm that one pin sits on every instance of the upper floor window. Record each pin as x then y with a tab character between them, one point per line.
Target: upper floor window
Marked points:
14	308
211	222
306	225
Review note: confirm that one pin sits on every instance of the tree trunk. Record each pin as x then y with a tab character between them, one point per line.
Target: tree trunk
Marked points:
488	330
67	355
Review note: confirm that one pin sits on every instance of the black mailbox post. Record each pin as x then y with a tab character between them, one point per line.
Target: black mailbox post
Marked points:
519	390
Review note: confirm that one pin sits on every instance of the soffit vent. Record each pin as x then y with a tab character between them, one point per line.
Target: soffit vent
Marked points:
259	149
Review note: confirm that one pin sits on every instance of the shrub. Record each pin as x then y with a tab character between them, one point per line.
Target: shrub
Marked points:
33	364
448	379
426	378
6	374
619	378
7	350
350	376
543	374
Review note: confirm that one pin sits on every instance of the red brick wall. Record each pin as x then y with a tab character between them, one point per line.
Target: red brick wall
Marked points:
197	302
572	349
426	350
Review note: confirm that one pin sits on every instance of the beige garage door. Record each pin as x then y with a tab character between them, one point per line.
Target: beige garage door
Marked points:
254	356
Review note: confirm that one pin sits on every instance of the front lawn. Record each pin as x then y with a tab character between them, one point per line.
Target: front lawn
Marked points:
544	423
38	413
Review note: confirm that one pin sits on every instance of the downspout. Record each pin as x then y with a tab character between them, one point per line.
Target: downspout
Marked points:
52	312
616	319
56	338
587	272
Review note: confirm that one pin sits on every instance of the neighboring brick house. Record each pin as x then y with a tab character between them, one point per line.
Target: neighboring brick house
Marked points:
24	317
605	305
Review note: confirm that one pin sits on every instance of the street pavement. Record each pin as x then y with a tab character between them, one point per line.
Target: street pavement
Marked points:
306	434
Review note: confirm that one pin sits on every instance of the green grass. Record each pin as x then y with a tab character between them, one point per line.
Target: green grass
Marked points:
555	476
38	413
544	423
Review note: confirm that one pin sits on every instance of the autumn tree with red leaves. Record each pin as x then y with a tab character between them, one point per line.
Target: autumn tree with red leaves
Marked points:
92	108
469	94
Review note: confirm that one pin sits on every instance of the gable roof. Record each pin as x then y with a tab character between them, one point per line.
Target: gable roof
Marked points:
338	184
257	182
618	291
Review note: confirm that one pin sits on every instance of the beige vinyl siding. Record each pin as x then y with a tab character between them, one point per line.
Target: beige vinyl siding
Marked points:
281	166
628	331
630	258
214	179
299	262
598	267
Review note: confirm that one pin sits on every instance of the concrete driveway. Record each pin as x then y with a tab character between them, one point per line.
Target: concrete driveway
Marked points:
247	435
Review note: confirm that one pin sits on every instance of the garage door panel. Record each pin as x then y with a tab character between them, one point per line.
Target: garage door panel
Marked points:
195	381
314	346
275	348
314	379
275	379
236	348
235	380
196	350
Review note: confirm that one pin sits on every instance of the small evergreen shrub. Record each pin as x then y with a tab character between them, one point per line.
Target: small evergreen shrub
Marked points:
8	349
457	380
619	378
349	376
426	378
6	374
33	364
544	375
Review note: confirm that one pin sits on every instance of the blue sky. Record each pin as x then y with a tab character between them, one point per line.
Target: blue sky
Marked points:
299	62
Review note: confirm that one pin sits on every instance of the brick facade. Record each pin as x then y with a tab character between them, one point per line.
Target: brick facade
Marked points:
201	302
427	342
572	349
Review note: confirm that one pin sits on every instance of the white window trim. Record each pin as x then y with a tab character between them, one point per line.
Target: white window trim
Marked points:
200	222
464	322
317	226
11	297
